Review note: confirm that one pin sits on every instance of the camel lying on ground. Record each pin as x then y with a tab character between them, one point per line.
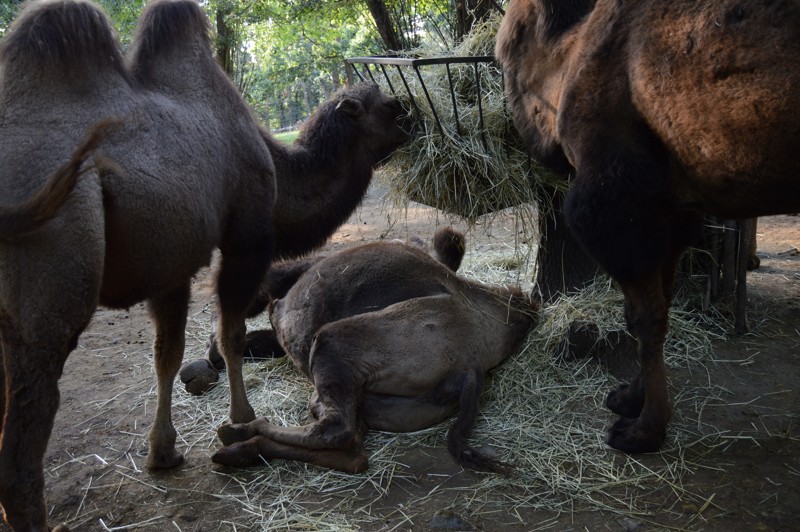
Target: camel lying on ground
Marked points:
321	179
184	171
392	340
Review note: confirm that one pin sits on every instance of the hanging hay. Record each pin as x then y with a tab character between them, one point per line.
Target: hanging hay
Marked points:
465	158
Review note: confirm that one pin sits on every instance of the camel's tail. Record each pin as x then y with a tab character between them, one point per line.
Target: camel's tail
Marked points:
20	220
449	246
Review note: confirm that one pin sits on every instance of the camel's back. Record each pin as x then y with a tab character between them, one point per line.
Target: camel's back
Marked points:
359	280
719	83
59	64
185	162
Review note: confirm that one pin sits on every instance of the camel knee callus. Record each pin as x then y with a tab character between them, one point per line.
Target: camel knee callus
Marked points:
625	97
126	214
393	340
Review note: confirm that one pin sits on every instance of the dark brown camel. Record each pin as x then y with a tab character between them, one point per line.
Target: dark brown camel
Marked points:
661	111
321	179
324	175
187	171
393	340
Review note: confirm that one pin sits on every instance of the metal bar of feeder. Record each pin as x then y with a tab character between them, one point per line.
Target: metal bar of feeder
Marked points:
407	61
388	81
480	105
369	73
398	62
408	89
430	101
453	98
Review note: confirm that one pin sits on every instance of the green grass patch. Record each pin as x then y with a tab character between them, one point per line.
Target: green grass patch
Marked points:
287	136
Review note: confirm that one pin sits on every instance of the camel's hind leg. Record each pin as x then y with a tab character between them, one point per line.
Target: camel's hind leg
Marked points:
237	283
338	388
168	313
30	376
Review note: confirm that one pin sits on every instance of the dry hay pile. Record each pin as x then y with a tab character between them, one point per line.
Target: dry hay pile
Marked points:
468	168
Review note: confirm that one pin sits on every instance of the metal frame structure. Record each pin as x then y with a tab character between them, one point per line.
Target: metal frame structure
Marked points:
371	68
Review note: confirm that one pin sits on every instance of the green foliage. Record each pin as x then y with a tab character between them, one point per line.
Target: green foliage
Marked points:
288	136
8	9
124	14
288	55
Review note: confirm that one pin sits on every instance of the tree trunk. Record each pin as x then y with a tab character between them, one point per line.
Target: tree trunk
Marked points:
225	38
468	12
386	27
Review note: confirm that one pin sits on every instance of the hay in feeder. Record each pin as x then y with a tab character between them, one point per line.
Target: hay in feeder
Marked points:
466	158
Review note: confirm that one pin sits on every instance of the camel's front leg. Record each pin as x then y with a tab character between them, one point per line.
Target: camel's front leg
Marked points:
338	386
259	448
644	404
168	313
238	281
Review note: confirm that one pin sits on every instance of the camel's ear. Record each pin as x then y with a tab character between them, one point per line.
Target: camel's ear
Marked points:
350	107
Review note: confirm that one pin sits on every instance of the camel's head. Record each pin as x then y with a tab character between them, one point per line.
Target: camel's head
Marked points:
381	120
360	121
532	46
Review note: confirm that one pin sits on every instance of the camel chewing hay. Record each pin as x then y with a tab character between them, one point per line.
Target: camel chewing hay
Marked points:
471	168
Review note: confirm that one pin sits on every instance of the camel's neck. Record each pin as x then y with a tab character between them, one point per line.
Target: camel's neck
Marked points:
318	189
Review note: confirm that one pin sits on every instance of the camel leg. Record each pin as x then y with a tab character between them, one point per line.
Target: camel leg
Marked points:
168	313
457	435
338	390
258	449
647	314
238	281
29	375
280	277
629	399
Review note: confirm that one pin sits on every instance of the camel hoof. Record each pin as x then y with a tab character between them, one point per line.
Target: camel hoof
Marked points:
627	435
198	376
233	433
240	454
164	460
624	402
357	464
263	344
478	461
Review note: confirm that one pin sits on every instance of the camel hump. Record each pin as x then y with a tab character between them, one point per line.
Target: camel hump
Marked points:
73	38
449	246
164	26
20	220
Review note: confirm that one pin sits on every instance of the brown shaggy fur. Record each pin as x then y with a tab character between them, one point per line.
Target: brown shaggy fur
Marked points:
662	111
324	175
183	172
393	340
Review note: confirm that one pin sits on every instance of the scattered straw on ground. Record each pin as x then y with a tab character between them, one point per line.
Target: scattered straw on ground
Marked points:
542	413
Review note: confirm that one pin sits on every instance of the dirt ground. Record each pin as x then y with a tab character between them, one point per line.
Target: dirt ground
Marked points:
95	464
